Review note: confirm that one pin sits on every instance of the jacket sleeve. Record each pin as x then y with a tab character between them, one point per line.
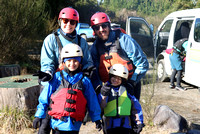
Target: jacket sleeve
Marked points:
185	45
92	101
135	53
48	56
136	109
95	58
87	59
44	98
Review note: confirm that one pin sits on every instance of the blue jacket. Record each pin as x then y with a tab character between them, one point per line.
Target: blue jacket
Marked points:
133	50
136	110
89	93
50	52
176	59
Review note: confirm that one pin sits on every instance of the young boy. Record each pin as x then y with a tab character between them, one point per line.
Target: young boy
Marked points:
68	95
118	105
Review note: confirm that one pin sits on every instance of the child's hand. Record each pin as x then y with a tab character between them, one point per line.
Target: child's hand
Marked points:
36	121
105	90
98	125
138	128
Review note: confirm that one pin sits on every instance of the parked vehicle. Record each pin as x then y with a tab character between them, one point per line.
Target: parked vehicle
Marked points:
139	29
115	26
168	33
85	31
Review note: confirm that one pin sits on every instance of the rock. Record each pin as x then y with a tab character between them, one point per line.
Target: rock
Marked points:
19	92
166	118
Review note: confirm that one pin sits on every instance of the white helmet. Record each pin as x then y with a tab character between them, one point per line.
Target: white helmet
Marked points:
71	50
119	70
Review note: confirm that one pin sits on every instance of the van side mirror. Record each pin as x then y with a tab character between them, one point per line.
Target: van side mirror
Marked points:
151	27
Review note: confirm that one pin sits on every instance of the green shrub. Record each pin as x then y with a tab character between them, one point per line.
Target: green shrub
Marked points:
21	23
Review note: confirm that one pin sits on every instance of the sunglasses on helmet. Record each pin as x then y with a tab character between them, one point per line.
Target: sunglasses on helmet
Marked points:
72	22
97	27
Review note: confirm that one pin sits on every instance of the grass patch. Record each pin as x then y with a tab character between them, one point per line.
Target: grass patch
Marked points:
147	100
13	120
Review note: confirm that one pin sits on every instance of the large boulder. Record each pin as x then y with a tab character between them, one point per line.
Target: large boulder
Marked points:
165	118
19	92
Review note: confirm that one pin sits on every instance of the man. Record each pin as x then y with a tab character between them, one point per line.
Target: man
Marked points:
113	47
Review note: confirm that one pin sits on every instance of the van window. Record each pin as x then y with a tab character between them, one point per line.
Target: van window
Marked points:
164	34
197	30
182	29
167	26
139	27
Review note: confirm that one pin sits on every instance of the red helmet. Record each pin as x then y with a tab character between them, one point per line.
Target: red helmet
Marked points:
69	13
98	18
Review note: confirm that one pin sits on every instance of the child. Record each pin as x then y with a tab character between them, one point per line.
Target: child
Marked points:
118	105
67	95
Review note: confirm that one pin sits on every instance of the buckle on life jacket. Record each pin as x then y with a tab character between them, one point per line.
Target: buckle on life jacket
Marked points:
70	101
63	118
71	92
70	109
108	57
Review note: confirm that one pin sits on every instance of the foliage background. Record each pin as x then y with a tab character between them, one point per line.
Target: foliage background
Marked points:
25	23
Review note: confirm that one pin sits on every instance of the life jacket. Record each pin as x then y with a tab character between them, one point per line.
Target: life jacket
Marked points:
60	67
178	48
118	103
68	100
116	55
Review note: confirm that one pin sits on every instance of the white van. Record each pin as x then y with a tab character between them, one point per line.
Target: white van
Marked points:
167	34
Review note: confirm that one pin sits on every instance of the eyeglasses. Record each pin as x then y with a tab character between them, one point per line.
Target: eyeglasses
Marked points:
72	22
97	27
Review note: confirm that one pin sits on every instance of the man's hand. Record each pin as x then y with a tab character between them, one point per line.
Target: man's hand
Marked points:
105	90
89	71
98	125
36	121
43	76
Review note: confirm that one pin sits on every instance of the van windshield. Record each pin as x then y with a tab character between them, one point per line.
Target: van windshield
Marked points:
197	30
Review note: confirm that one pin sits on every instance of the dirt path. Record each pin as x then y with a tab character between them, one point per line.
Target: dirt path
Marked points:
185	103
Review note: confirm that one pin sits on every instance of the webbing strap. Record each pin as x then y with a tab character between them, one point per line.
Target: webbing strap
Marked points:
60	44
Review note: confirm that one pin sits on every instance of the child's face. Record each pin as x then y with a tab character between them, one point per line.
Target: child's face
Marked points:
72	64
116	80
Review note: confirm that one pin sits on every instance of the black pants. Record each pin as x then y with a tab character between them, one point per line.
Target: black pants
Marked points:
137	90
118	130
178	77
134	89
45	126
65	132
